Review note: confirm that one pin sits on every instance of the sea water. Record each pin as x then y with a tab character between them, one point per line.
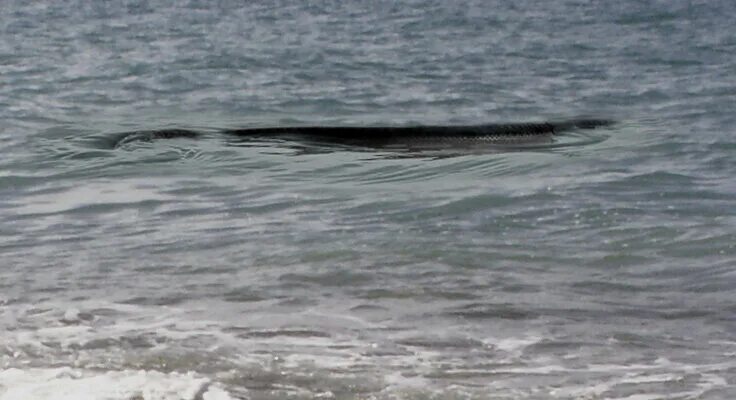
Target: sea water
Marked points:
600	266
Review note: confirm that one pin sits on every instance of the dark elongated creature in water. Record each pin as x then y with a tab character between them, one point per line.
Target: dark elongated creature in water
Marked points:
383	136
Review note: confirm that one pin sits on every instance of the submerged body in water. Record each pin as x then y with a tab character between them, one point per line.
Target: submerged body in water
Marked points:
386	136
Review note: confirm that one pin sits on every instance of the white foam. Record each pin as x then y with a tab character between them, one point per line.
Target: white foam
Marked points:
75	384
86	335
512	344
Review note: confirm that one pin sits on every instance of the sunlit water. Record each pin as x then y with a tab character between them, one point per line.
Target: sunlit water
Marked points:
602	265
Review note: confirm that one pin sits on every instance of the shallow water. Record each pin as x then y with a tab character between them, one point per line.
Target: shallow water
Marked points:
602	265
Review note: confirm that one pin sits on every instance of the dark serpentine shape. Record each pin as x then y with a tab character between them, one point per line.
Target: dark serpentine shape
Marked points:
379	136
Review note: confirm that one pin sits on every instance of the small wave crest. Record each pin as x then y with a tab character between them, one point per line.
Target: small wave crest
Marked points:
68	383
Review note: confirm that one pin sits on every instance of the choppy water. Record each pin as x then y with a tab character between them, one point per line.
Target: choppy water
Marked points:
602	266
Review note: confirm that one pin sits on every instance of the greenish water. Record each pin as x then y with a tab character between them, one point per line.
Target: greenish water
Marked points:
602	265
